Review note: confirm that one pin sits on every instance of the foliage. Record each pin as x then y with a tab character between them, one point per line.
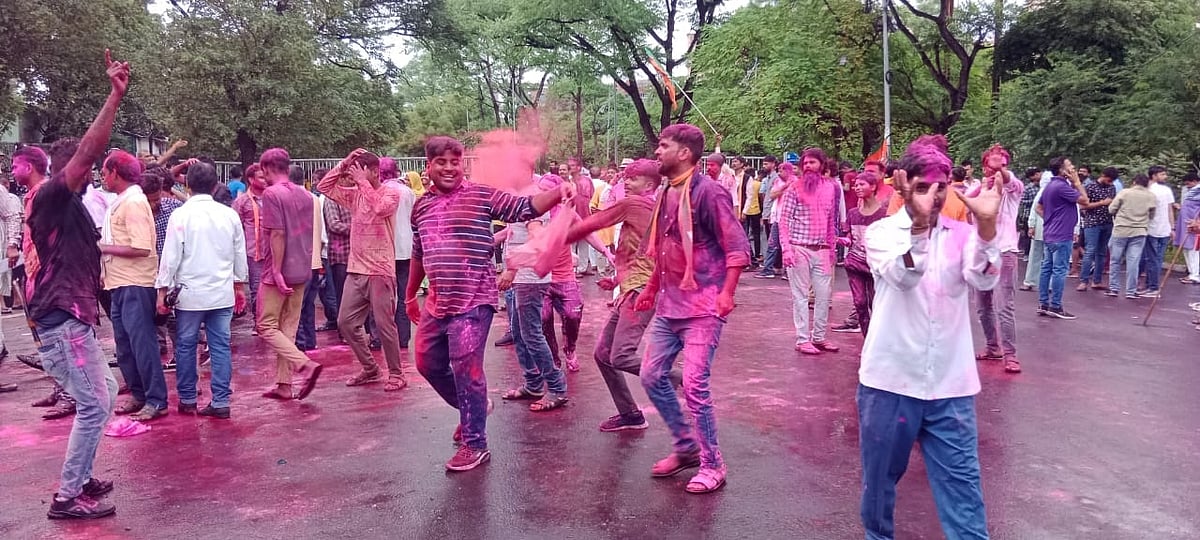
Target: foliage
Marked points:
52	59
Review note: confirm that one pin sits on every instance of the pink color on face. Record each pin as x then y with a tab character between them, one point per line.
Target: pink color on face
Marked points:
811	164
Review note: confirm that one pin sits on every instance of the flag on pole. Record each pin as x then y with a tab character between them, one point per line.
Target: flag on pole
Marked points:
881	154
666	77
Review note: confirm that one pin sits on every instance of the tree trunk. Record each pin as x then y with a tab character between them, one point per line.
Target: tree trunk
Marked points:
247	147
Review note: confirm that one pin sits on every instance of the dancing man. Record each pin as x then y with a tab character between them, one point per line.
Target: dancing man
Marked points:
918	377
454	248
616	350
64	304
699	250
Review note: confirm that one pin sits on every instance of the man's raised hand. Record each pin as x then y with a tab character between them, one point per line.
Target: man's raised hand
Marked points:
118	73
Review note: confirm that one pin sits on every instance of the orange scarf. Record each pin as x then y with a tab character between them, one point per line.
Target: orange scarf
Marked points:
685	226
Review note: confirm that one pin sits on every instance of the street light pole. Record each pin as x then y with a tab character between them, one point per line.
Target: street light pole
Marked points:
887	83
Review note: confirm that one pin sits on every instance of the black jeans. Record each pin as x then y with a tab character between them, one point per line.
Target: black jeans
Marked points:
753	226
403	325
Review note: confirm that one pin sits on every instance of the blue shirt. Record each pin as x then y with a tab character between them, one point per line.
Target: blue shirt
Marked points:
236	187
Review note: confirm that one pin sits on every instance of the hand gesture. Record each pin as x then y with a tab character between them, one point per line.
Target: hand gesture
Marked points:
920	205
118	73
180	143
986	205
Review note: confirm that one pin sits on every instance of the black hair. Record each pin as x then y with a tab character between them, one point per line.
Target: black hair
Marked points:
1141	180
1111	172
1056	165
202	178
236	172
1155	170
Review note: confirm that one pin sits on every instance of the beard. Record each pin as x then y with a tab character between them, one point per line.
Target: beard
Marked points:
811	181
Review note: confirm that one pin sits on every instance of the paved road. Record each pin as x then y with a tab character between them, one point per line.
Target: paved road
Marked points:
1097	439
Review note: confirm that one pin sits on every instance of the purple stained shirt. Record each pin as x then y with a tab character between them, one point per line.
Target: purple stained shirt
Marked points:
719	242
289	208
68	281
1059	210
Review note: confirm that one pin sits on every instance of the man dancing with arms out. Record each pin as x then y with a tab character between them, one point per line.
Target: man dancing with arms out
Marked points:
918	377
997	307
454	248
616	350
63	302
699	249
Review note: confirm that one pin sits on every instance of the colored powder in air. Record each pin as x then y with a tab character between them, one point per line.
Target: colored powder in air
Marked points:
504	159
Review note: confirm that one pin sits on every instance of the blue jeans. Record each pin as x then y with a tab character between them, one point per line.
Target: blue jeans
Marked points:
306	333
254	279
698	339
71	354
1129	251
888	425
1152	260
1095	253
1055	260
216	324
533	353
510	305
449	354
329	297
774	255
137	344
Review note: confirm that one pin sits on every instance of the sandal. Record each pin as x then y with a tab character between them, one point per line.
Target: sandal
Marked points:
521	393
548	403
311	381
129	407
148	413
988	355
365	377
706	481
1188	281
395	383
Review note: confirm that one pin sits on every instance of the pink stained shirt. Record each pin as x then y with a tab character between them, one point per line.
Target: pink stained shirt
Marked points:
372	224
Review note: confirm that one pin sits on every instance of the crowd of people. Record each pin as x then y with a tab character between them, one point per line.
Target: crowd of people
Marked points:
176	254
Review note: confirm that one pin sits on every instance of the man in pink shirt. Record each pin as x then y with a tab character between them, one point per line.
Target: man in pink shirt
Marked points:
371	271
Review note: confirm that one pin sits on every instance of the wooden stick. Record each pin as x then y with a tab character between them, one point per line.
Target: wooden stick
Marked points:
1162	285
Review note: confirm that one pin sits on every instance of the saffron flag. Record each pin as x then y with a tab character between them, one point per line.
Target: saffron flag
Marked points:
881	154
666	77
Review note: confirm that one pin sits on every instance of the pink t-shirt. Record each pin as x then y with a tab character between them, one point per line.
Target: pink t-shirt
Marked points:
289	208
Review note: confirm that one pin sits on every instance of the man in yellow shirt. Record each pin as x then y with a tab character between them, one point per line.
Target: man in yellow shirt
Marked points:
130	264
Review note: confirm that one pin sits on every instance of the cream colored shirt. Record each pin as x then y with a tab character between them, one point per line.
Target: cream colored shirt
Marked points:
132	224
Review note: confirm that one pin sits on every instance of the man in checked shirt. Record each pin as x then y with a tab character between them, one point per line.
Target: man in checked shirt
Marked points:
454	248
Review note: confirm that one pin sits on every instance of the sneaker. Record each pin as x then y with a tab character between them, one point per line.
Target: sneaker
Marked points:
81	507
6	310
1147	294
169	366
1082	287
1060	313
505	340
847	328
468	458
375	344
572	361
1012	365
675	464
186	408
765	275
97	488
215	412
1112	293
622	422
1132	296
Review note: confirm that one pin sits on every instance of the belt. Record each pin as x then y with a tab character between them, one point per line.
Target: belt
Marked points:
812	247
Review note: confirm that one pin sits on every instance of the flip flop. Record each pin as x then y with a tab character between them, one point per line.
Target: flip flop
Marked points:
521	393
310	382
548	403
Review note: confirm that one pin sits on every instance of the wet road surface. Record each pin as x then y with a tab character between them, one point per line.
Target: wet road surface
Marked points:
1098	438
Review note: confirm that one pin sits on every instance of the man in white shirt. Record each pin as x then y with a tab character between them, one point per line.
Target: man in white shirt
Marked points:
918	377
1160	231
389	172
997	308
204	256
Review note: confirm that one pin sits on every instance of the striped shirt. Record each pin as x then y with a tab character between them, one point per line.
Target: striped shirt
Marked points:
454	243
